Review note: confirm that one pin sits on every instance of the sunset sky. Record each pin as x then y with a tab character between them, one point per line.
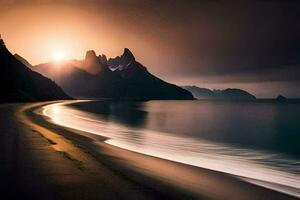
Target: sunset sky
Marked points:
253	45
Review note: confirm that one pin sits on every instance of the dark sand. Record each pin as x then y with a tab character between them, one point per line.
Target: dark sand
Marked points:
40	160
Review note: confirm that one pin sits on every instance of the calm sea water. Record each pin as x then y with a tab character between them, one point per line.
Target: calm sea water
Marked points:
258	142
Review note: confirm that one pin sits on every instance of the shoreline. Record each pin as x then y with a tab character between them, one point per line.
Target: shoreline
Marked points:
162	176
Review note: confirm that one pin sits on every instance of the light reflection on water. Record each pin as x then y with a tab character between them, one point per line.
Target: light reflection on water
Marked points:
263	167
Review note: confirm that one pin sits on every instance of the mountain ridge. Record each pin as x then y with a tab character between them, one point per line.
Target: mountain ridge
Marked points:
19	83
121	77
226	94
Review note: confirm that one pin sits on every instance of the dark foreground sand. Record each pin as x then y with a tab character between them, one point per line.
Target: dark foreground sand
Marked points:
39	160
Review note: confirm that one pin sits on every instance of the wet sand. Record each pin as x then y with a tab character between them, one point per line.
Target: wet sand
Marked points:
43	161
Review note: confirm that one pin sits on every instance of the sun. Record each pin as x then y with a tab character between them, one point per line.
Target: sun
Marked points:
58	55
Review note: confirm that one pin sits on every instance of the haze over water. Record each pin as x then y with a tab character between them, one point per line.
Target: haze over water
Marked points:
255	141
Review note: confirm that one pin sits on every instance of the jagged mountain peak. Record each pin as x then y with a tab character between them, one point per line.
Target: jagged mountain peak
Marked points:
92	62
121	77
103	59
123	62
1	42
127	58
3	46
128	55
90	55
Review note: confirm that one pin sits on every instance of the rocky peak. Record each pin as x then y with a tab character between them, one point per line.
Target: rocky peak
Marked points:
122	62
91	56
5	55
2	45
92	63
127	57
103	59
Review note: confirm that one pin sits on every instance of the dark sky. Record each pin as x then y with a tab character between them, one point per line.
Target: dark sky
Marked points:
254	45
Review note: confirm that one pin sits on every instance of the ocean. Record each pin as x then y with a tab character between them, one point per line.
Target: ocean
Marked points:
258	142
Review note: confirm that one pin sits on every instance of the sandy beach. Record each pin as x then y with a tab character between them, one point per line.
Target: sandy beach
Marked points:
41	160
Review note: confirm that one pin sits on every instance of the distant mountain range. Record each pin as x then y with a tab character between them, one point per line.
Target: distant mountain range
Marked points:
121	77
227	94
18	83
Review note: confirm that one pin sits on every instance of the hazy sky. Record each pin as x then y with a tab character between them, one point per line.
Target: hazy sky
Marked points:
253	45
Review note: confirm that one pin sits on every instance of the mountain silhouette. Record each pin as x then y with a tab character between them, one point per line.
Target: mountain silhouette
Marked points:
19	83
281	99
200	93
23	60
227	94
121	77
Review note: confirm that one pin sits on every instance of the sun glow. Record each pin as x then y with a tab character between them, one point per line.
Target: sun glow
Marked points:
58	55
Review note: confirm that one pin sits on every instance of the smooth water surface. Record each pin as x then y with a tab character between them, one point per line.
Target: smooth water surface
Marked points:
256	141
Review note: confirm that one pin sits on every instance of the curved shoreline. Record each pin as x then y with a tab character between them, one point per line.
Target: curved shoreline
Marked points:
158	174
